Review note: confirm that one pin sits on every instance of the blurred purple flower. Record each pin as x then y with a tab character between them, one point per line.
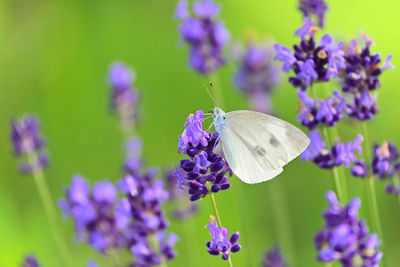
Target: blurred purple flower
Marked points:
316	8
206	36
273	258
30	261
345	238
123	97
28	142
257	76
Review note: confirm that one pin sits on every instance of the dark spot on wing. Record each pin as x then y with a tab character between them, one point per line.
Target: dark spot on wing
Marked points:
273	141
260	151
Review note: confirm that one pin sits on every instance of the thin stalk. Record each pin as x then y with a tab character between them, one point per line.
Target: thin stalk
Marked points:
371	188
335	172
50	211
396	182
282	220
219	223
154	242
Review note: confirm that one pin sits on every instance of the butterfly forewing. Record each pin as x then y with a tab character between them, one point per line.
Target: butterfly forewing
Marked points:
257	145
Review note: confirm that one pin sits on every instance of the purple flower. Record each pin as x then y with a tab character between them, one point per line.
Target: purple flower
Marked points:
285	55
327	112
305	30
363	107
311	62
205	170
273	258
174	183
92	264
385	160
257	76
182	10
28	142
316	147
205	8
359	169
307	72
339	154
206	36
315	8
221	244
345	238
361	76
30	261
123	97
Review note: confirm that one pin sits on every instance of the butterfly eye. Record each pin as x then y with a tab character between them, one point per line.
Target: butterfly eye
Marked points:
211	111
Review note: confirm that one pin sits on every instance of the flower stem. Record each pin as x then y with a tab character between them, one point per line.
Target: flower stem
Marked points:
335	171
371	188
219	223
156	246
47	202
396	182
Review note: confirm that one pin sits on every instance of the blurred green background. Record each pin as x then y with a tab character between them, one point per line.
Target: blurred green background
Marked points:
54	60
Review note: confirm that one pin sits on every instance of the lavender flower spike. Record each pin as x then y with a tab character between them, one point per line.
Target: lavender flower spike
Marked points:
28	143
204	170
205	35
220	244
314	8
345	237
273	258
257	76
123	97
30	261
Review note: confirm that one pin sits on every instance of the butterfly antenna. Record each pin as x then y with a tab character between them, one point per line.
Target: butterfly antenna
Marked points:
211	93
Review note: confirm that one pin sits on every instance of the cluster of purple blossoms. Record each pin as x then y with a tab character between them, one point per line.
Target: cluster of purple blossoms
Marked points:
206	36
257	76
345	237
30	261
339	154
175	194
221	244
134	221
273	258
311	62
321	112
94	213
314	8
361	77
385	164
205	171
123	97
28	143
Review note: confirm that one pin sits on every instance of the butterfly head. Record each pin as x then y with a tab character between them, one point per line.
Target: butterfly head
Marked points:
219	119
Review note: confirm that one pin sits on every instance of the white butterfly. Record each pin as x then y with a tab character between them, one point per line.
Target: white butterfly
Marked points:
256	145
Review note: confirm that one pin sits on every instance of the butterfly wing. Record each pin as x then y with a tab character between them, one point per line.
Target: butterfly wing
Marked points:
257	145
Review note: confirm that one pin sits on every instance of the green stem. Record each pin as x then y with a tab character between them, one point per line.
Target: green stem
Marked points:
216	213
371	188
50	211
282	220
154	242
396	184
335	171
114	258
